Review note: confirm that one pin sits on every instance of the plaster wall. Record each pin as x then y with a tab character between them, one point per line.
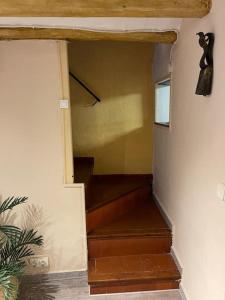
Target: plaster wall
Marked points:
32	153
118	131
189	161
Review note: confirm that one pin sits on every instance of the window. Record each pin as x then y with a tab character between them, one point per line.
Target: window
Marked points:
162	102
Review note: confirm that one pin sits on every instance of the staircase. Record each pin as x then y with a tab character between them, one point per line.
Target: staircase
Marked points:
128	240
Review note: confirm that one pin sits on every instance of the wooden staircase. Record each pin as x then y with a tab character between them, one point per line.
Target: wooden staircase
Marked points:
129	242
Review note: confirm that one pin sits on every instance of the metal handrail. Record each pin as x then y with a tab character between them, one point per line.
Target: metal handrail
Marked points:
85	87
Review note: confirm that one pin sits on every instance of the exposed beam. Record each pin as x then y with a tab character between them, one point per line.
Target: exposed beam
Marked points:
105	8
73	34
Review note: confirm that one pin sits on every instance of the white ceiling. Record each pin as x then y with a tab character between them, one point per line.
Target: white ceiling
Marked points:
98	24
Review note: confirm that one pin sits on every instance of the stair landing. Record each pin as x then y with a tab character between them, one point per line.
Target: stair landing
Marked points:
144	220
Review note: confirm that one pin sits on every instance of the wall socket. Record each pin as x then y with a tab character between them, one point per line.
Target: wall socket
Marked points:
39	262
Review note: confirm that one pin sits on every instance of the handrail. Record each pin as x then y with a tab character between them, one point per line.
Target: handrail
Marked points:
85	87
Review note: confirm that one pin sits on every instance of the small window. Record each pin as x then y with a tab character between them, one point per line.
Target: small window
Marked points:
162	102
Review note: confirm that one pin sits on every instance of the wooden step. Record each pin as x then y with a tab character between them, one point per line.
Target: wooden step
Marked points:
116	208
106	188
128	240
134	245
132	273
142	231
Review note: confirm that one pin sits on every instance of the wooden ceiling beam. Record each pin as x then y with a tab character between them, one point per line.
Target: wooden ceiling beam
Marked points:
83	35
105	8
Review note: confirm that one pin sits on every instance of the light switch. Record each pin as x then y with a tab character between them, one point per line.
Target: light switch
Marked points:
221	191
64	103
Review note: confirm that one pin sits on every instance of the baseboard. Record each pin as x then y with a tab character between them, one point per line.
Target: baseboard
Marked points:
173	251
182	293
172	228
176	260
163	212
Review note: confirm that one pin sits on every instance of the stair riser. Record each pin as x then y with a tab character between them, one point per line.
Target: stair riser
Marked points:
135	287
111	211
128	246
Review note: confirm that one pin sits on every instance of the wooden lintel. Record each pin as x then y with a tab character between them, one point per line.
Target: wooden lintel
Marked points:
105	8
25	33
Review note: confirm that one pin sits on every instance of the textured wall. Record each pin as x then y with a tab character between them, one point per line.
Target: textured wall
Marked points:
189	162
117	131
31	152
162	61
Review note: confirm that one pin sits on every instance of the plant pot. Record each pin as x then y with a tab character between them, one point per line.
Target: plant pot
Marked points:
14	281
1	293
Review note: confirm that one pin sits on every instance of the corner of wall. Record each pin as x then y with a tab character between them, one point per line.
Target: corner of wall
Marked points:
163	211
183	293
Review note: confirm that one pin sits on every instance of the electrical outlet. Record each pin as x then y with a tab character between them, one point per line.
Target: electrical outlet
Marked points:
38	262
64	103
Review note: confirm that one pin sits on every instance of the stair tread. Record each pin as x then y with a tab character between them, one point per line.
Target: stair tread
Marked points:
106	188
138	268
146	220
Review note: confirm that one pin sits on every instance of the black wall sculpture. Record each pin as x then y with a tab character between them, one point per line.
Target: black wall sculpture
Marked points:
205	81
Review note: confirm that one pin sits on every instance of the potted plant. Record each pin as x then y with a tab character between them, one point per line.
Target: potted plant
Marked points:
15	245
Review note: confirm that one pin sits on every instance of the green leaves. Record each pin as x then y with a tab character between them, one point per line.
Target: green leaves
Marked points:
30	237
8	275
11	232
11	202
9	289
15	245
19	248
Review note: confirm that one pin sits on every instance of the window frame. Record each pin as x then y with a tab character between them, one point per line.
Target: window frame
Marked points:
157	83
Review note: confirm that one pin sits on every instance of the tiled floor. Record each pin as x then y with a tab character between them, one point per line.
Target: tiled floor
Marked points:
45	288
170	295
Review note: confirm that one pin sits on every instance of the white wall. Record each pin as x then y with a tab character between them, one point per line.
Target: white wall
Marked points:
190	162
32	154
162	61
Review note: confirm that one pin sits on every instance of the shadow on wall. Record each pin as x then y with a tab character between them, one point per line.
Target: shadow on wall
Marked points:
33	217
39	286
117	131
124	153
28	217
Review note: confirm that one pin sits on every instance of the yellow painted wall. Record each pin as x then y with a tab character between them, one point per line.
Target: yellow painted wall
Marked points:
117	131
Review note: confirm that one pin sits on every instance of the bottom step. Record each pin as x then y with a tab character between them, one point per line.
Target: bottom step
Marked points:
133	273
138	287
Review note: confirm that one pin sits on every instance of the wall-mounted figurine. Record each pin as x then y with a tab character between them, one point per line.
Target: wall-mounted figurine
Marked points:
205	81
